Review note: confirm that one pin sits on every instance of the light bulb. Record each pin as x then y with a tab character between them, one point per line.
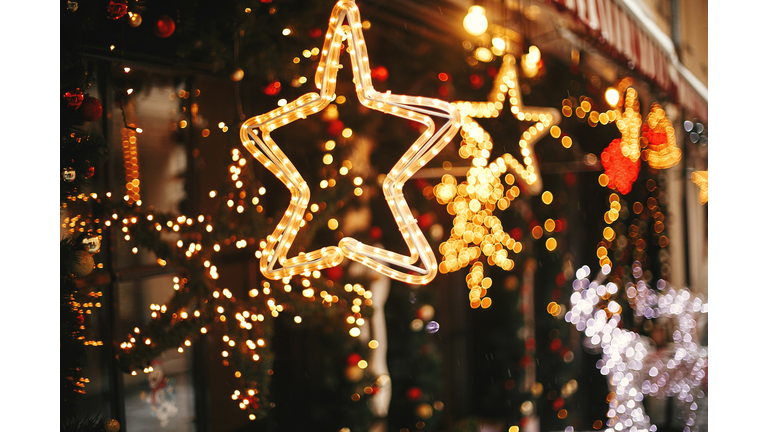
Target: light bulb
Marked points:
612	96
475	22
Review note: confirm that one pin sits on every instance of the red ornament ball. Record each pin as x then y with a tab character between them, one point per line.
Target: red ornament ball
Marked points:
164	27
335	127
379	73
621	171
273	88
375	233
117	9
334	273
353	359
73	98
426	220
91	109
413	394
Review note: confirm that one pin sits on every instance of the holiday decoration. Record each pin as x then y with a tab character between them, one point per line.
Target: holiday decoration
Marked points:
117	9
134	20
629	362
69	174
506	86
620	170
91	243
425	148
629	126
91	109
73	98
112	426
164	27
72	6
162	395
658	140
129	141
701	179
83	264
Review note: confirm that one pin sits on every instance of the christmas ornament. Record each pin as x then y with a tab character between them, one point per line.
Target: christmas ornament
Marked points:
83	263
80	319
69	174
91	109
255	135
379	73
413	394
273	88
658	140
134	20
112	426
353	359
73	98
701	179
72	6
91	243
117	9
335	127
621	170
238	75
164	27
162	396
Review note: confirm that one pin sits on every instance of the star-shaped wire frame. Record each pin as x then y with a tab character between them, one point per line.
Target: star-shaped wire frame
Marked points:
506	86
419	153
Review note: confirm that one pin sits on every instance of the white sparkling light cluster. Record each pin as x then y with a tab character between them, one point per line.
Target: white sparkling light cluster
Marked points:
633	367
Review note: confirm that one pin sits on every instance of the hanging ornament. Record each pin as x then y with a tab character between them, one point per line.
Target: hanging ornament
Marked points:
72	6
658	140
272	88
91	109
91	243
134	20
164	27
112	426
83	263
117	9
69	174
620	170
238	75
73	98
379	73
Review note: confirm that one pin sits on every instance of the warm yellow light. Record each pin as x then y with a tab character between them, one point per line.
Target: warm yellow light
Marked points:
475	23
546	197
612	96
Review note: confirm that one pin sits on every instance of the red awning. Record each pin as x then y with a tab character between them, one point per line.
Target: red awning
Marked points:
623	26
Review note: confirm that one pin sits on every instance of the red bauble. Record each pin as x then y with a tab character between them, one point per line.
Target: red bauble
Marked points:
379	73
335	127
413	394
117	9
164	26
73	98
375	233
334	273
80	319
426	220
272	88
353	359
91	109
621	171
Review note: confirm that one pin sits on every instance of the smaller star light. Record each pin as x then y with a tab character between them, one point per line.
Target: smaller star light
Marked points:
701	179
478	143
255	137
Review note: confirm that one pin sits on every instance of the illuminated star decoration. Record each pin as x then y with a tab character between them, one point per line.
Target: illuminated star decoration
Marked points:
476	231
628	359
428	145
621	159
701	179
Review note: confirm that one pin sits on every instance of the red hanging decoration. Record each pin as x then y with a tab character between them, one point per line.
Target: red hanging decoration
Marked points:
164	27
379	73
621	171
73	98
91	109
117	9
273	88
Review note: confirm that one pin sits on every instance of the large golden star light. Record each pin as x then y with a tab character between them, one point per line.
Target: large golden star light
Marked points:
255	135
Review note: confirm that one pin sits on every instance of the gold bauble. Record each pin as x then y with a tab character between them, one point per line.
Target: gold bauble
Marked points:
238	75
112	426
83	263
134	20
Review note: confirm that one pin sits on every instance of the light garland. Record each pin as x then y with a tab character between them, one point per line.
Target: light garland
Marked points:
429	144
701	179
131	163
633	369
